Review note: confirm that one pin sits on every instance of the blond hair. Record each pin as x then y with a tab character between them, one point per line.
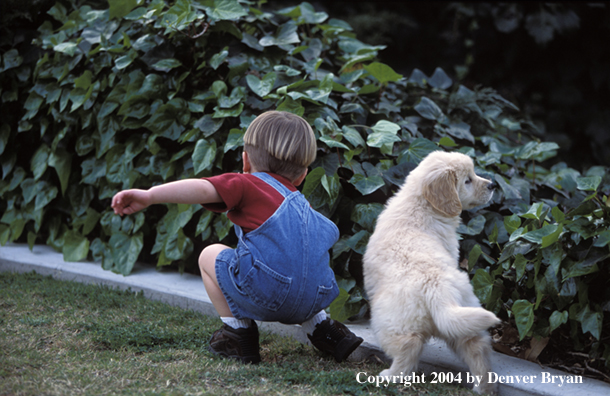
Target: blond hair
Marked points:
280	142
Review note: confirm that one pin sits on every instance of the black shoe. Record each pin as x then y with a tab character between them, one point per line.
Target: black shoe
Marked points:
334	338
240	344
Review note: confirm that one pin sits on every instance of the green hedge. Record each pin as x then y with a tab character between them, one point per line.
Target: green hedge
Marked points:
143	93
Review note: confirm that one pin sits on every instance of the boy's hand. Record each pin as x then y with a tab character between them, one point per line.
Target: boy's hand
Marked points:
130	201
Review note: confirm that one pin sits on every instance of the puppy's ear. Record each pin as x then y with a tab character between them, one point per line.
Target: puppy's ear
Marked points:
439	188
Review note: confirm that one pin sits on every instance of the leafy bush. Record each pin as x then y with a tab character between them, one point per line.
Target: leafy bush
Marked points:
141	94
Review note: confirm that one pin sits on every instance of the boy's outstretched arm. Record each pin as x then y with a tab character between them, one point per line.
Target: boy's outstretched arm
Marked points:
188	191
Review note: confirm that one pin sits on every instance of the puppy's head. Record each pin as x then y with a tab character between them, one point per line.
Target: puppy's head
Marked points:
450	184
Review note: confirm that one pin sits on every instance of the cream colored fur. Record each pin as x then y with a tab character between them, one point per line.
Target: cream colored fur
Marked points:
411	272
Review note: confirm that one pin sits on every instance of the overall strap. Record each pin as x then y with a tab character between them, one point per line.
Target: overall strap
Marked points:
273	182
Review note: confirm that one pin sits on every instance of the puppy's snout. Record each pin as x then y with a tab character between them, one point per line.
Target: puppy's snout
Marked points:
491	186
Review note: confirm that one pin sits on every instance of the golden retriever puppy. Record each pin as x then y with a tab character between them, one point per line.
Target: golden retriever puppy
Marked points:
411	272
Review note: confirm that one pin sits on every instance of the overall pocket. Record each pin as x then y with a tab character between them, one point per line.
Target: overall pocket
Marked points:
267	288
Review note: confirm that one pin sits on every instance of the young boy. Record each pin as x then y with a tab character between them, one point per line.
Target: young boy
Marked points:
279	270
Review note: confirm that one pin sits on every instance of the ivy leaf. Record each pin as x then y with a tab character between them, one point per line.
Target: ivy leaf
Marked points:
558	215
603	239
338	307
366	215
222	226
203	225
208	125
382	72
5	132
204	155
32	104
418	149
91	220
261	87
544	236
523	312
557	319
310	15
418	78
590	183
483	285
290	72
460	130
447	142
120	8
352	136
92	170
28	188
536	151
550	239
76	246
219	58
440	79
286	34
511	223
509	191
428	109
166	64
319	189
332	187
10	60
587	266
474	227
355	60
590	321
125	60
383	140
252	42
520	265
67	48
84	81
125	251
324	89
230	112
234	140
177	247
292	106
237	96
473	256
40	161
226	10
367	184
387	127
332	143
45	194
61	160
535	211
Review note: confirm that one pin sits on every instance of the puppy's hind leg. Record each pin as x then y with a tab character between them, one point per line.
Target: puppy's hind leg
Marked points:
404	349
475	352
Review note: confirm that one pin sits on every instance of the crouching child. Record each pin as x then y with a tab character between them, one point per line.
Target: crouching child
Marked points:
279	271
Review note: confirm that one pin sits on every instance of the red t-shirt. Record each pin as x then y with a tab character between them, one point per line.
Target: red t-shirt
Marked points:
248	200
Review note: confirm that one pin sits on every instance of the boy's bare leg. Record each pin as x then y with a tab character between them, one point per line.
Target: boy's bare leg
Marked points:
207	264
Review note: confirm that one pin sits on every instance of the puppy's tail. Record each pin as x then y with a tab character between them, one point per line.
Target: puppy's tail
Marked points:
454	321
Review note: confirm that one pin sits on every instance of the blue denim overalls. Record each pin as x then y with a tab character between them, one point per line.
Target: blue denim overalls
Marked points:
280	271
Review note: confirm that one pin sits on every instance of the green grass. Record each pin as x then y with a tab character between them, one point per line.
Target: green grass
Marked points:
66	338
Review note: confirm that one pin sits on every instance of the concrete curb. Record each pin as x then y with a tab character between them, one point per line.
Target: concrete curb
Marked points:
187	291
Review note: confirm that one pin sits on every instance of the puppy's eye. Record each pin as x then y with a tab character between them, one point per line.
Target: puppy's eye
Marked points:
468	181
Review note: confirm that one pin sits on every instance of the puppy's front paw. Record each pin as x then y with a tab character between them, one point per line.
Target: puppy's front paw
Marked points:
486	389
385	373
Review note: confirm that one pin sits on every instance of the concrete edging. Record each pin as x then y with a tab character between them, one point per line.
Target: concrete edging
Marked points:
187	291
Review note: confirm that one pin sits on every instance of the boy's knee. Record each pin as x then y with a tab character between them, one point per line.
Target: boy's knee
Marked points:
207	258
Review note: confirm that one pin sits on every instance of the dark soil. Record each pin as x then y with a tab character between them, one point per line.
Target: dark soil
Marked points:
558	353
